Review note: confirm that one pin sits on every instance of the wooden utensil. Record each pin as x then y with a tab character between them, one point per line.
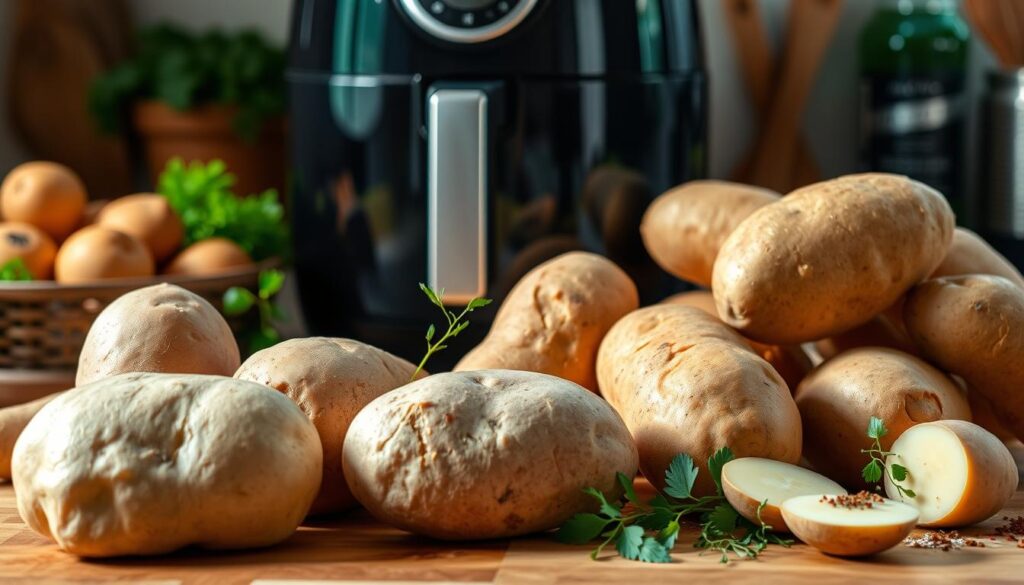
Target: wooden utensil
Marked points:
759	66
811	25
1001	24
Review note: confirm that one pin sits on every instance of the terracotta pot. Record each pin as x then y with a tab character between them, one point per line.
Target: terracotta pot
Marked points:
206	133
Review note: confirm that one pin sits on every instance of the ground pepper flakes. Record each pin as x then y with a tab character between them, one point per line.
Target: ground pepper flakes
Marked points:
945	541
861	500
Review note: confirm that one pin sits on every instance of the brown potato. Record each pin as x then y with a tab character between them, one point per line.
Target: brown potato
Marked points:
47	195
96	253
555	317
830	256
684	228
686	383
13	420
212	256
849	531
32	245
790	361
149	218
162	329
973	326
970	254
331	380
840	396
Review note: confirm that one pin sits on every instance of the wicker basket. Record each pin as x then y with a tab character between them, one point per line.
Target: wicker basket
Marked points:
43	324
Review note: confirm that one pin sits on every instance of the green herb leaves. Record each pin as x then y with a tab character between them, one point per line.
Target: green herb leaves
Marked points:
875	469
185	70
456	324
201	196
15	270
648	532
239	300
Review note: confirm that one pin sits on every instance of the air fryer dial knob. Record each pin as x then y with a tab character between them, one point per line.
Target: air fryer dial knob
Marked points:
467	21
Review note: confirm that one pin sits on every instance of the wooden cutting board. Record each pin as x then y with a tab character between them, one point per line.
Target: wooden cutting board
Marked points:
358	549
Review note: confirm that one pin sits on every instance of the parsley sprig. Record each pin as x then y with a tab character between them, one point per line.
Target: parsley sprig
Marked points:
877	467
648	532
15	270
455	321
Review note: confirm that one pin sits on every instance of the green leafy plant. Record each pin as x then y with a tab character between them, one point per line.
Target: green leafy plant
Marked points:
201	195
185	70
456	324
877	467
648	531
240	300
15	270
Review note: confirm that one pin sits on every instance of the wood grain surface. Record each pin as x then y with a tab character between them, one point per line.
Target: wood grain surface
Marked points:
357	549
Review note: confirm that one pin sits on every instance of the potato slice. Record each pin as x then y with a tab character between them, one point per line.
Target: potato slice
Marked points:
848	531
748	481
961	473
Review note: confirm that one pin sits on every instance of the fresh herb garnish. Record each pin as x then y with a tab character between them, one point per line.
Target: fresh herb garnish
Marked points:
648	532
877	467
455	323
202	196
239	300
15	270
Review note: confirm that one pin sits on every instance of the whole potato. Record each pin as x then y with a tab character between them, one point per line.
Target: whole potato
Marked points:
149	218
555	317
685	227
970	254
148	463
160	328
331	380
830	256
840	396
973	326
790	361
32	245
488	454
47	195
211	256
686	383
95	253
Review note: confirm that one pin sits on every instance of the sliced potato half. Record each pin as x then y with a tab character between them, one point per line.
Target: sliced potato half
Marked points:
848	531
748	481
959	472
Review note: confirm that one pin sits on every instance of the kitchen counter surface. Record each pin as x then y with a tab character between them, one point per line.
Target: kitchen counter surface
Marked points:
357	549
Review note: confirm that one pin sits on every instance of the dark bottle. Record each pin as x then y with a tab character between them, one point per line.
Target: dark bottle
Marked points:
914	105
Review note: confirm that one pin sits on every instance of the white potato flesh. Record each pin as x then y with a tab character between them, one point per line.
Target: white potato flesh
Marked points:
748	481
960	473
846	531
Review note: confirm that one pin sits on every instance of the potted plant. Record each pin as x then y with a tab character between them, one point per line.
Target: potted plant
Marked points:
201	97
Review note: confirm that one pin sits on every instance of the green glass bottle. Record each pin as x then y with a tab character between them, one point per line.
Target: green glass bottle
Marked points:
914	105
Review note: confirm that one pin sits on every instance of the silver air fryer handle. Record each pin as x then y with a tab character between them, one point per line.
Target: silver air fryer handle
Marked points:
457	193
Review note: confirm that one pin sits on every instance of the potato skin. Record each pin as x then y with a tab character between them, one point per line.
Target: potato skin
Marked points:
973	326
554	319
684	228
881	331
830	256
970	254
790	361
331	380
686	383
487	454
839	397
161	328
210	256
95	253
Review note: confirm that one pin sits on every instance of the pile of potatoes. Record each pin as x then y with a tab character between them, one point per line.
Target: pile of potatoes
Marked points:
575	382
49	223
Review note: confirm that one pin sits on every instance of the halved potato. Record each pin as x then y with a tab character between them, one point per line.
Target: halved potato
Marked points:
961	474
848	531
748	481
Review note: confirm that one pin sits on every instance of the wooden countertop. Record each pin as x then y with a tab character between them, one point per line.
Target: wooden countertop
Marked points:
357	549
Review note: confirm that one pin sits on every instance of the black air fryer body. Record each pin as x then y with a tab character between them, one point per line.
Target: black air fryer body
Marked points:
462	142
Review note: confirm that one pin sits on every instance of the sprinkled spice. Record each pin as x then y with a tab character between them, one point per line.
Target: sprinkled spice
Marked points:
1012	528
860	501
940	540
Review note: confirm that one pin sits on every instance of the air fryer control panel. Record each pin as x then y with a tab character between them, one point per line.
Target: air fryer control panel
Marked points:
467	21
